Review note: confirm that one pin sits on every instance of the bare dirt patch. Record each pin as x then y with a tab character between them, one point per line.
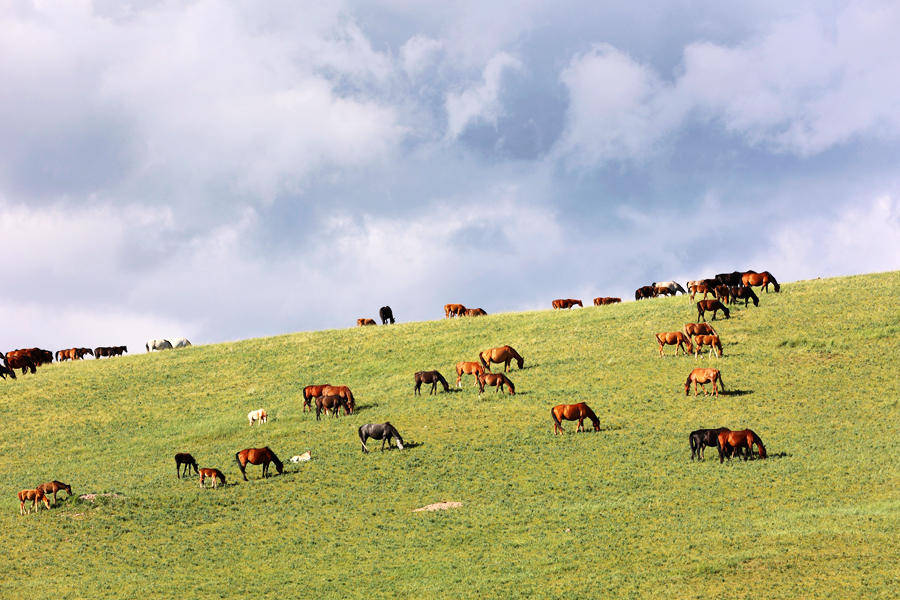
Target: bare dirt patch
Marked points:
439	506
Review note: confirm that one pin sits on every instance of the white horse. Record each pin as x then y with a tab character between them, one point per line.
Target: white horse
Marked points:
257	415
180	343
158	345
672	286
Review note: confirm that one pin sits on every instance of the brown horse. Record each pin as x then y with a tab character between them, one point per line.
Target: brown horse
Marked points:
20	361
603	300
708	340
723	293
332	403
475	312
704	306
453	310
645	291
495	379
501	354
214	474
256	456
764	279
34	496
310	392
469	368
51	487
363	322
566	303
37	355
692	329
340	390
744	293
703	376
701	288
432	377
739	440
573	412
662	291
674	338
183	458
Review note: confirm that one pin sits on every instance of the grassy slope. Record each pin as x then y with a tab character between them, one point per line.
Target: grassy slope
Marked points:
623	512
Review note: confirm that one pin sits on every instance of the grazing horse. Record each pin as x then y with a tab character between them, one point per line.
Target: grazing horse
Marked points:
672	286
692	329
432	377
214	474
340	390
708	340
109	351
566	303
183	458
379	431
603	300
674	338
704	306
730	279
158	345
573	412
469	368
256	456
310	392
364	322
257	415
764	279
51	487
501	354
703	376
739	440
332	403
4	371
702	438
475	312
386	314
646	291
663	291
744	293
495	379
34	496
701	288
453	310
180	343
723	293
20	361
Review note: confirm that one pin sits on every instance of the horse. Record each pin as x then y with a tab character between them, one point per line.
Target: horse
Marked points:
453	310
35	355
701	288
4	371
183	458
158	345
180	343
673	286
101	351
703	376
364	322
379	431
20	361
764	279
256	456
495	379
674	338
432	377
475	312
310	392
566	303
708	340
723	293
258	415
501	354
386	314
646	291
573	412
51	487
702	438
213	474
663	291
606	300
704	306
469	368
735	440
340	390
692	329
34	496
730	279
744	292
332	403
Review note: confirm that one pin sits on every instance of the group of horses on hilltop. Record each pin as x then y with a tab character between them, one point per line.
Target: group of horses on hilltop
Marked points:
480	370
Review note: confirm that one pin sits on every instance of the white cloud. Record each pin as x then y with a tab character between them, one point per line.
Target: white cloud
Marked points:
418	53
480	102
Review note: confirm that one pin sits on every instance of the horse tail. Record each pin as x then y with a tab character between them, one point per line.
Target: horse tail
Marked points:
237	458
555	418
692	440
147	346
721	382
481	358
362	439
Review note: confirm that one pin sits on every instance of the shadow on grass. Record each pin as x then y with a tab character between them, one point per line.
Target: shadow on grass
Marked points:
736	392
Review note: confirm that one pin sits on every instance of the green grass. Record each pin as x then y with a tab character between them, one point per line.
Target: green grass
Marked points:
620	513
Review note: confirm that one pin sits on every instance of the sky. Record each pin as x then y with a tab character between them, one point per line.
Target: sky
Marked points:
223	170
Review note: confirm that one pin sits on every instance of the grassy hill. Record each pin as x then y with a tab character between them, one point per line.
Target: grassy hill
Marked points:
623	512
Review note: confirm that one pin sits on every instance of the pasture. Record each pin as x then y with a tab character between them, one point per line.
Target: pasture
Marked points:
619	513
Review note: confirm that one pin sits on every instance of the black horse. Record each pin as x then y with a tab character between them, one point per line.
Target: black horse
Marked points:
379	431
386	315
432	377
646	291
4	371
730	279
739	292
183	458
702	438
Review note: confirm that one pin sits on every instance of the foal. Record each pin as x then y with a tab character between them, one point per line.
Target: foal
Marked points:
213	474
34	496
183	458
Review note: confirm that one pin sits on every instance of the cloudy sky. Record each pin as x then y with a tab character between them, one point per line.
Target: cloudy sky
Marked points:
225	169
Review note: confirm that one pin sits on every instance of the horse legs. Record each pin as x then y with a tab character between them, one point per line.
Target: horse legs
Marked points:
417	389
383	440
433	387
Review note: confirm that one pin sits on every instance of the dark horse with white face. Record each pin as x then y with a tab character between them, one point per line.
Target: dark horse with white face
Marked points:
386	314
379	431
432	377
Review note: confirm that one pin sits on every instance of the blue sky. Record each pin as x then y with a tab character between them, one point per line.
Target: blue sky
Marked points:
223	170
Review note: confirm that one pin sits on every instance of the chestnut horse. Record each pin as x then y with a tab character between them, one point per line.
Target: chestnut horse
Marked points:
432	377
501	354
702	438
256	456
109	351
469	368
708	340
475	312
573	412
340	390
310	392
51	487
723	293
704	306
739	440
183	458
703	376
34	496
674	338
662	291
214	474
495	379
566	303
764	279
362	322
692	329
701	288
744	293
20	361
453	310
603	300
332	403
